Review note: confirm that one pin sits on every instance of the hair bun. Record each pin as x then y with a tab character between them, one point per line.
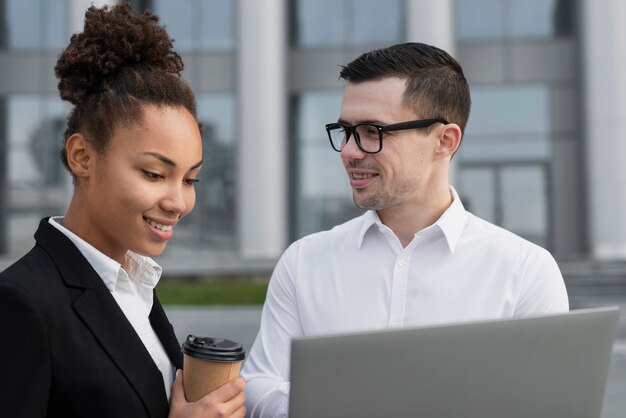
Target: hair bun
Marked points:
113	40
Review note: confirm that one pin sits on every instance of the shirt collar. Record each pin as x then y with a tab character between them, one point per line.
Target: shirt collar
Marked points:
368	219
451	222
140	268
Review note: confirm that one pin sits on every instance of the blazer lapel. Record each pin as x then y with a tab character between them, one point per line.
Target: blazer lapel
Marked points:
165	332
106	321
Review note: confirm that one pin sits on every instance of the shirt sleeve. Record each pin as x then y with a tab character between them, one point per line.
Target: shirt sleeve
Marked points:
267	367
543	289
24	357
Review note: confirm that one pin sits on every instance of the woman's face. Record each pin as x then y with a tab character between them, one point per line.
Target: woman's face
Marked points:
142	184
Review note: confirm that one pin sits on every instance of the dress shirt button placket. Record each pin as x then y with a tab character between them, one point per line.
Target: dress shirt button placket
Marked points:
398	290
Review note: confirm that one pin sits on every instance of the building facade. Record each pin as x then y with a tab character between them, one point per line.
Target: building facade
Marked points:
542	154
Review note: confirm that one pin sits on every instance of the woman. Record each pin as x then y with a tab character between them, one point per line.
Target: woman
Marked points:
83	334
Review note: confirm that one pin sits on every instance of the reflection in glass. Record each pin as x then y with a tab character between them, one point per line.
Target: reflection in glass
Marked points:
36	181
199	24
348	22
324	196
46	27
36	126
212	222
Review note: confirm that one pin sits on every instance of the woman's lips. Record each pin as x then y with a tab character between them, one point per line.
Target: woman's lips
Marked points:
163	231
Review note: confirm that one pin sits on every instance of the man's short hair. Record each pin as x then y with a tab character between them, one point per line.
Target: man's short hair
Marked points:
435	84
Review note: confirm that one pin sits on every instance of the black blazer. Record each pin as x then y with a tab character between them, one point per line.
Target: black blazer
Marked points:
66	348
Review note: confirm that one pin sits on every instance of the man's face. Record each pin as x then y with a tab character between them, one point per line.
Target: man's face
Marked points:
401	173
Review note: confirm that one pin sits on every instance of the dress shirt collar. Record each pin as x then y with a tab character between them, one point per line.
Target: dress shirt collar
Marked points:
451	223
142	269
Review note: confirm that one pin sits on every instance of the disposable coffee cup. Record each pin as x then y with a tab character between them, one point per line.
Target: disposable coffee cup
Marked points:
209	363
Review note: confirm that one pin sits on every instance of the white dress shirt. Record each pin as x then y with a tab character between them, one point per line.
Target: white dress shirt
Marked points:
133	292
358	276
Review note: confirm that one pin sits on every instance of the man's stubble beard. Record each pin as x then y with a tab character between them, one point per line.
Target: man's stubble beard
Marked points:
385	199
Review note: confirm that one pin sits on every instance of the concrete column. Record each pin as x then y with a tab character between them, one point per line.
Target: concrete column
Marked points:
432	22
262	114
76	10
604	77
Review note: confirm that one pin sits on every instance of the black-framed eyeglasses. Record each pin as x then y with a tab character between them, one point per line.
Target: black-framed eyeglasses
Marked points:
369	137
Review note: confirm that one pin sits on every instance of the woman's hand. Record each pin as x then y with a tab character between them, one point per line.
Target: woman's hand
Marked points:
224	402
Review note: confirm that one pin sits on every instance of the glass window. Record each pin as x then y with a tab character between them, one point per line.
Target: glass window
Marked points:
479	19
199	24
211	224
512	196
35	183
531	18
477	190
508	122
524	202
35	24
324	196
513	19
341	23
510	108
504	157
35	134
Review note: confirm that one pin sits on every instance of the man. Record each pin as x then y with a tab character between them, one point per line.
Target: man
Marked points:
416	257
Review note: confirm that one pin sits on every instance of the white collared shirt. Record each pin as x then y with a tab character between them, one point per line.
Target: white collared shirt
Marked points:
358	276
133	292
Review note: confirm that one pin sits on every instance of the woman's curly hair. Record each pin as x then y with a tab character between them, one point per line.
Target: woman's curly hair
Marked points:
119	63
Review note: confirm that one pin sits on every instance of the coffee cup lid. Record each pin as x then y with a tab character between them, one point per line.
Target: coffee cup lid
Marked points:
213	349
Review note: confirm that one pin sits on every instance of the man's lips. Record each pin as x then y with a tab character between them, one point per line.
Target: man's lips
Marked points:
360	179
359	176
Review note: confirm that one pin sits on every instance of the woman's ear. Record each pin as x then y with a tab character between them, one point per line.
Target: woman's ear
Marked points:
449	141
79	155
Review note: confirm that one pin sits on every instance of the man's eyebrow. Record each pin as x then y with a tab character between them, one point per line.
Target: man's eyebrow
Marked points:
167	161
365	121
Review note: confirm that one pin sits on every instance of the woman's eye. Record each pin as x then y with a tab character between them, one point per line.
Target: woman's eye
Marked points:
191	182
152	175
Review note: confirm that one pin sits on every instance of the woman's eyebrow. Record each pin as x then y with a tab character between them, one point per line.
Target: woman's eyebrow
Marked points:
196	165
161	157
169	162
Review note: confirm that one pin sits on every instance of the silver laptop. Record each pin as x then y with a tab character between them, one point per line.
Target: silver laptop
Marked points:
551	366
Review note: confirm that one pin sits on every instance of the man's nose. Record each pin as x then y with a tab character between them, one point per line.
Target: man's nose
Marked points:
351	150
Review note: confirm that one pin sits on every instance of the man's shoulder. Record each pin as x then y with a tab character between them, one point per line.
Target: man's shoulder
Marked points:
346	231
487	232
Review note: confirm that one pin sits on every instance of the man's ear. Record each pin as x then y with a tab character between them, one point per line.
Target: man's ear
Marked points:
449	141
80	155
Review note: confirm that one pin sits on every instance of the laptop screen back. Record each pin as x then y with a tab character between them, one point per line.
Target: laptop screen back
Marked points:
545	366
